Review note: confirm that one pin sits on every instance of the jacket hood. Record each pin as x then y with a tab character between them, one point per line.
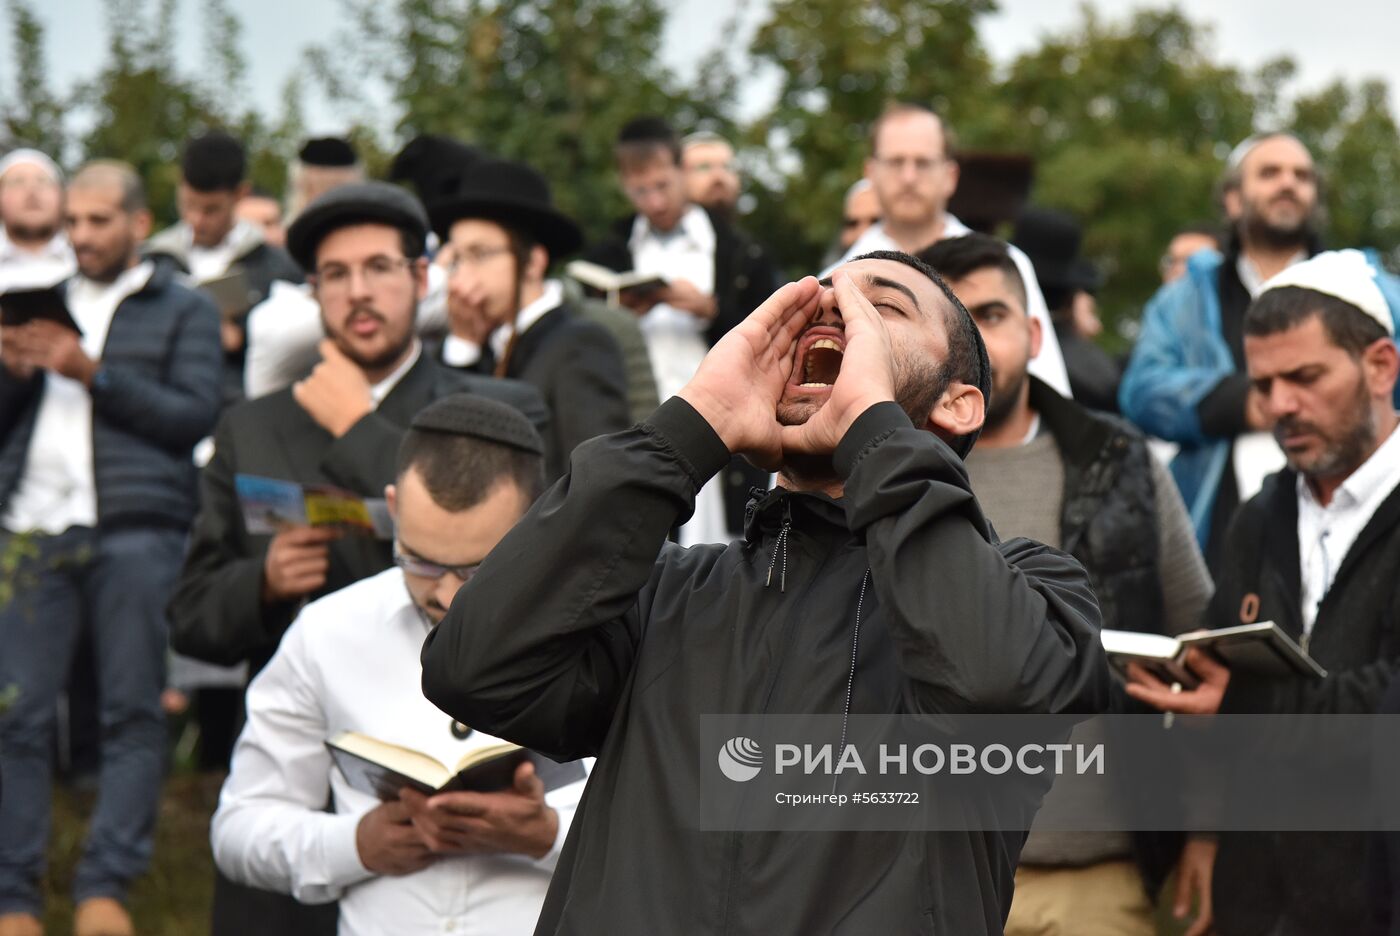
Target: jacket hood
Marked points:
174	242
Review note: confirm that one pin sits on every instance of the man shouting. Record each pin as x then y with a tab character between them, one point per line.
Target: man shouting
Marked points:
587	633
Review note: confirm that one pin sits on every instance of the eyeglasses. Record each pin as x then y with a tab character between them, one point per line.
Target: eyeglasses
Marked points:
856	222
714	167
923	165
425	568
334	279
639	192
473	257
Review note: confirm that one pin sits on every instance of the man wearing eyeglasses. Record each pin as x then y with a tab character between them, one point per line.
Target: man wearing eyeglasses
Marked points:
362	247
913	168
714	277
501	231
459	862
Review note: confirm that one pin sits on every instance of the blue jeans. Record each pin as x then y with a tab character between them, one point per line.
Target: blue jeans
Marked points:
117	584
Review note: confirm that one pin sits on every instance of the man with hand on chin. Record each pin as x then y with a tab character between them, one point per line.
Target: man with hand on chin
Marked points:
587	633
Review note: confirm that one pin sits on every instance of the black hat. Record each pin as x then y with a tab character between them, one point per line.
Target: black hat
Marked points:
433	165
1051	239
358	203
473	415
331	152
514	196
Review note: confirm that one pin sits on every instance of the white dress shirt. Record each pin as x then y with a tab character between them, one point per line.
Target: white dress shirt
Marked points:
1326	534
676	339
23	269
57	489
379	391
350	662
1049	364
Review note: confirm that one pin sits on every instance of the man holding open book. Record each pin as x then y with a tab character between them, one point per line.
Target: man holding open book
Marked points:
1315	552
401	856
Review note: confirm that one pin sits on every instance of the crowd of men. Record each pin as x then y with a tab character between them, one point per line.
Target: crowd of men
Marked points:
916	485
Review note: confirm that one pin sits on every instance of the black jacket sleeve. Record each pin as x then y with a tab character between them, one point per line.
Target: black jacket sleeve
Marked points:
538	646
981	626
217	614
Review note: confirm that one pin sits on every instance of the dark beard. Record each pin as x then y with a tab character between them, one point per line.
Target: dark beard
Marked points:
30	235
1350	450
1258	231
1002	405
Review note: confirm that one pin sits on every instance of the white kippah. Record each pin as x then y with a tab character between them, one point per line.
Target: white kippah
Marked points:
1343	274
34	158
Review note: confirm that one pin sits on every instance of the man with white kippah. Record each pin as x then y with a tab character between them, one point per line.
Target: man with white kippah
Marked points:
1186	382
33	250
1314	551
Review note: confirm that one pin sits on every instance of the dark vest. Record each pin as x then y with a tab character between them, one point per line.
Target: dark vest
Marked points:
1108	519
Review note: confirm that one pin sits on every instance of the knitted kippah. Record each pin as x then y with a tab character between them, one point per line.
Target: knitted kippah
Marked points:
469	414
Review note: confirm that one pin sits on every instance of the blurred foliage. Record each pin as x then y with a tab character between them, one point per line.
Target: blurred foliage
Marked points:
1129	118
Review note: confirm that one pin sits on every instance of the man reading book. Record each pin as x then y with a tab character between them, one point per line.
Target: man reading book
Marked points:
1315	551
464	862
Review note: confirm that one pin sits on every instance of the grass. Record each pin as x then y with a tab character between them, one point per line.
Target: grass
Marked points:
174	898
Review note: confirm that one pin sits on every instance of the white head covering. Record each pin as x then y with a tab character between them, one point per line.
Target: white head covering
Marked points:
34	158
1342	274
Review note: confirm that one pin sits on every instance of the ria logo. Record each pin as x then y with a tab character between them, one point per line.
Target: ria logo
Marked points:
740	759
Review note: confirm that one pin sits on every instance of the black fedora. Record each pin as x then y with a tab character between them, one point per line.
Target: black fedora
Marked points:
1051	239
514	196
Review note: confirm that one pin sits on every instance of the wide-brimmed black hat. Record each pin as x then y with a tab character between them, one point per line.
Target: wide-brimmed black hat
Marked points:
360	203
514	196
1051	239
434	165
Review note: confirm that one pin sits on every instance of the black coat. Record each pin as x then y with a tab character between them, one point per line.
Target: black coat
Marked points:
577	367
158	394
744	277
1308	882
217	613
578	639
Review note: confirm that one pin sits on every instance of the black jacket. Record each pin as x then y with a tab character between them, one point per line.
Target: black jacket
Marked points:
217	613
1306	881
578	639
744	277
577	367
157	395
261	262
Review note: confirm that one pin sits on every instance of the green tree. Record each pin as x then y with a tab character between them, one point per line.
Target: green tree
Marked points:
33	114
140	107
1353	136
839	64
549	82
1128	121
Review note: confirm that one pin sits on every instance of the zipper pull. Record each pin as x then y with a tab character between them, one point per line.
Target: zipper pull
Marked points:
781	545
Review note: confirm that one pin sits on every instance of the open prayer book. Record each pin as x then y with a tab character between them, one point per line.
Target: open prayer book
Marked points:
610	281
22	306
1261	648
381	769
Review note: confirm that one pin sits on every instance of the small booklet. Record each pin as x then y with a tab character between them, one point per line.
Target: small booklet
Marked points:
22	306
381	769
1261	648
612	282
270	505
231	292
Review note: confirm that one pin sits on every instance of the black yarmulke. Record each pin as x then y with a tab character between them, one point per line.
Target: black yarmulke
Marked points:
328	151
468	414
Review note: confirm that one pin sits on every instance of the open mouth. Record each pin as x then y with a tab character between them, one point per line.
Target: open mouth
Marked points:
819	363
